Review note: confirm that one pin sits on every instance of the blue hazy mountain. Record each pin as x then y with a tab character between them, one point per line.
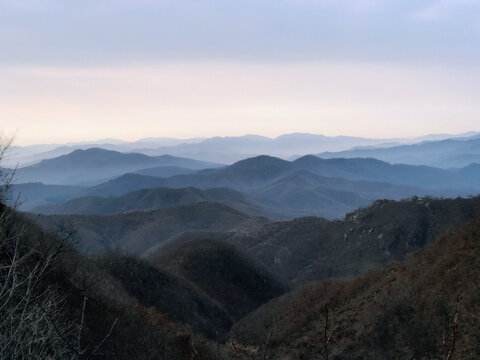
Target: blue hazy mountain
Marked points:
221	149
449	153
271	187
93	165
258	171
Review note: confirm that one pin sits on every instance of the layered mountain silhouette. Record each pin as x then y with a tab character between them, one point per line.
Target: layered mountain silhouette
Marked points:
270	187
95	164
225	150
448	153
123	185
283	189
215	149
254	172
265	186
29	195
231	149
165	171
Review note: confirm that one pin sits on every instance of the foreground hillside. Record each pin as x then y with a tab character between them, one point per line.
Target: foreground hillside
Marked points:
224	273
425	308
65	305
61	305
207	285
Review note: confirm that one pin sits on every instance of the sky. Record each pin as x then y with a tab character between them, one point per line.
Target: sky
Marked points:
90	69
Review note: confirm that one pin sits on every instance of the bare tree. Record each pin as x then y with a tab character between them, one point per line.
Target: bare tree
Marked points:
33	324
30	323
454	324
327	335
260	353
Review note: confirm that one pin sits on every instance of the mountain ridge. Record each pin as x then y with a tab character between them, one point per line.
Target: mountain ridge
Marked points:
448	153
137	231
94	164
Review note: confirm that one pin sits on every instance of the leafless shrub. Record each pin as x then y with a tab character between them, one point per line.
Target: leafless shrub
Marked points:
327	335
454	324
33	324
261	353
30	322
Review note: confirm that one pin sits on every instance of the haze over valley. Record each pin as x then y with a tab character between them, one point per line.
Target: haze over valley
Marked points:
103	181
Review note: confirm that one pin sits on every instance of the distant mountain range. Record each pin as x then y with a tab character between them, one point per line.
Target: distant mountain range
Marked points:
231	149
254	172
30	195
123	185
94	165
448	153
261	186
165	171
264	185
225	150
28	155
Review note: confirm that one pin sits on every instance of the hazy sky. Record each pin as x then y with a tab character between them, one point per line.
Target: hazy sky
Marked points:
82	70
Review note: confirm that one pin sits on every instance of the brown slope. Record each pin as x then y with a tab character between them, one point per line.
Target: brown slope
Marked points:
76	309
405	311
309	249
224	273
175	297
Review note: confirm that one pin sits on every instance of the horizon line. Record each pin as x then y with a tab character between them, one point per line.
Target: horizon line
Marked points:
104	140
